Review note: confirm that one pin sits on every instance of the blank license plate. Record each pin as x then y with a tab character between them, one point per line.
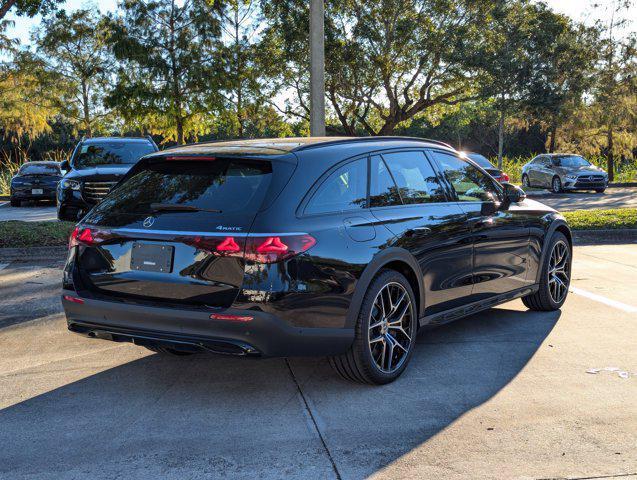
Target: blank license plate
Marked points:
37	191
152	258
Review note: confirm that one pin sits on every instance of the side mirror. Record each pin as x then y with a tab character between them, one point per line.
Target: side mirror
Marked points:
65	166
513	193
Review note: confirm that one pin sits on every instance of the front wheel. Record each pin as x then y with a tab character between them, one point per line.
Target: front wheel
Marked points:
556	185
600	190
555	277
385	332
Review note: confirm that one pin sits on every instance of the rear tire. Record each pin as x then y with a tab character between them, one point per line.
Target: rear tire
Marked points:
556	274
600	190
168	351
556	185
526	183
385	332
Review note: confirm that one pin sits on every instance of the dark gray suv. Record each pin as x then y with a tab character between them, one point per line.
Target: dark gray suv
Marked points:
562	171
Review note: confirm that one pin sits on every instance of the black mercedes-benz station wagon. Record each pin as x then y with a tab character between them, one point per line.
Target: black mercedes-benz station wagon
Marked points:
343	247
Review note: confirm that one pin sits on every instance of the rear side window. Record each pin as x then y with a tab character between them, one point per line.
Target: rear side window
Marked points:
470	184
110	153
344	189
382	189
416	179
225	185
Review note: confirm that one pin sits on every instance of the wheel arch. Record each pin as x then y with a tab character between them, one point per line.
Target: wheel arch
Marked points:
392	258
558	225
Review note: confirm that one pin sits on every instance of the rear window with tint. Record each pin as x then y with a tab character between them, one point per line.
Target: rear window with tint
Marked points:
39	169
111	153
229	185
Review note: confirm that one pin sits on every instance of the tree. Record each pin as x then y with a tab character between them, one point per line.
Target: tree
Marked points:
30	8
386	62
73	46
617	86
563	57
167	81
26	105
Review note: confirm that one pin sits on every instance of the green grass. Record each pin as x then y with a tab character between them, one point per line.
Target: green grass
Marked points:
602	219
17	234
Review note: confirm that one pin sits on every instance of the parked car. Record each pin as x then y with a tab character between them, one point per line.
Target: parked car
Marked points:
491	169
563	171
96	165
343	247
35	181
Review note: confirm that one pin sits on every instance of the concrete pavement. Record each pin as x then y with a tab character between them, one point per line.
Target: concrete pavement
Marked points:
31	212
503	394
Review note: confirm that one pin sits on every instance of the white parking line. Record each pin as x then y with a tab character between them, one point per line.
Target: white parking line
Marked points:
2	204
3	266
606	301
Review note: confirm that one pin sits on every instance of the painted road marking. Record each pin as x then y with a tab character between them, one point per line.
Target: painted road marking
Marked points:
606	301
3	266
2	204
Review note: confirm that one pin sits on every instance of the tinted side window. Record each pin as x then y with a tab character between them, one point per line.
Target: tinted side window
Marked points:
416	179
470	184
344	189
382	189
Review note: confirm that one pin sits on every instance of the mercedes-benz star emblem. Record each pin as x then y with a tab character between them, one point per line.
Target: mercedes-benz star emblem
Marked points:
148	222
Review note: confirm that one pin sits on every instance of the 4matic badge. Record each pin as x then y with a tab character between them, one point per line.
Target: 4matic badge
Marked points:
229	229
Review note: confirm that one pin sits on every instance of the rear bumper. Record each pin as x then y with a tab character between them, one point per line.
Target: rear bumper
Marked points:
265	335
26	194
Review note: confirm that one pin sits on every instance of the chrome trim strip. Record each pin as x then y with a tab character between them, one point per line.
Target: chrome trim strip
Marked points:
204	234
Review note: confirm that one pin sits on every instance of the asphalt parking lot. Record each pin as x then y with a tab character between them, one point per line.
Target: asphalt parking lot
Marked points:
612	198
503	394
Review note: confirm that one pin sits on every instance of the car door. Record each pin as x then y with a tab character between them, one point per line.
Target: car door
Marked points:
546	172
500	234
535	171
408	198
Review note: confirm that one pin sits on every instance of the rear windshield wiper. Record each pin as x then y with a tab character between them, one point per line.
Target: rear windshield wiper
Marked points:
175	207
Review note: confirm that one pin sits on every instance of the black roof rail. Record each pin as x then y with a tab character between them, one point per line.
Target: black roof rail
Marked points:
370	139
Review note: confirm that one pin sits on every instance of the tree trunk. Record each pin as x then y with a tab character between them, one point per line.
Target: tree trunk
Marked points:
501	137
610	160
553	134
6	6
176	88
86	110
238	71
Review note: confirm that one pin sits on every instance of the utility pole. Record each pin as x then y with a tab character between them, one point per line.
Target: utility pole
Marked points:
317	68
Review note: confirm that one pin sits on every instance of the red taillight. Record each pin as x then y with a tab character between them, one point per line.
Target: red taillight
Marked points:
229	245
86	236
231	318
504	177
73	238
190	157
73	299
274	249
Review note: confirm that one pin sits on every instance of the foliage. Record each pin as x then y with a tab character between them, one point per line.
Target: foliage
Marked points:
29	8
18	234
72	46
167	80
602	219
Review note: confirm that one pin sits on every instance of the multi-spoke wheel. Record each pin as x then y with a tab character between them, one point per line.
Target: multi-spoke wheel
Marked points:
390	327
385	332
555	277
556	185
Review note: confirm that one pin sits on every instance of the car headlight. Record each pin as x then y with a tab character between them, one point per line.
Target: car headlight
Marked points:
70	184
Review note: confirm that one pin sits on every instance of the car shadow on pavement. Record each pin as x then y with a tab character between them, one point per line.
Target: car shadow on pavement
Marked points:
210	417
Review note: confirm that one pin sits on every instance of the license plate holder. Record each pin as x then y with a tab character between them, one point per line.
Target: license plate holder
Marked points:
37	191
149	257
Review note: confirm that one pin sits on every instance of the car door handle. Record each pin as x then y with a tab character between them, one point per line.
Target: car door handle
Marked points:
418	231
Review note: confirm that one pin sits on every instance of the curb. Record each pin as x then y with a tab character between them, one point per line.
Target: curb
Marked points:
33	253
591	237
624	184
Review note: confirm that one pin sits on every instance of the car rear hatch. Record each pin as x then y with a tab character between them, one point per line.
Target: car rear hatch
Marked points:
175	229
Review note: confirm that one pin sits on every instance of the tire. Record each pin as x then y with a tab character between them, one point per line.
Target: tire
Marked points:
525	181
168	351
544	299
600	190
361	362
556	185
14	202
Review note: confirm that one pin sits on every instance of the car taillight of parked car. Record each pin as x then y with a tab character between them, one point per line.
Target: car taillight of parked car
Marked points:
257	248
504	177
